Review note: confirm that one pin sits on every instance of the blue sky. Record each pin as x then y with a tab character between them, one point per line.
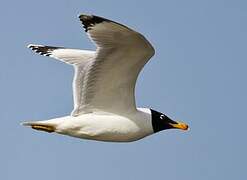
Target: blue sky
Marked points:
197	75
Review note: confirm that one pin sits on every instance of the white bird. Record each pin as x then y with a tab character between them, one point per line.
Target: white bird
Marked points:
104	86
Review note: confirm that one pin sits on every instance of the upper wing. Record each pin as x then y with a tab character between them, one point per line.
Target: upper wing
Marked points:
109	80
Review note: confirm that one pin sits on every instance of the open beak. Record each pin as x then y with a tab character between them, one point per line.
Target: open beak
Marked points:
180	125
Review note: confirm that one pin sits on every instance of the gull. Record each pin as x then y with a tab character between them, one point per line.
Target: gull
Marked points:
104	86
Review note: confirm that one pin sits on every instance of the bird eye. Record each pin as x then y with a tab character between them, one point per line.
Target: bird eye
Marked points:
162	116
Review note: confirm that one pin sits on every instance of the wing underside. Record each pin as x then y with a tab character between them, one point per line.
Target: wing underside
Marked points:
104	79
109	82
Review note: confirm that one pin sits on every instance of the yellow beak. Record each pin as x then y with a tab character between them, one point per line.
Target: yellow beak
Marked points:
180	125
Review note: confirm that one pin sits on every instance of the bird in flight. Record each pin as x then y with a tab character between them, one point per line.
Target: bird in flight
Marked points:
104	86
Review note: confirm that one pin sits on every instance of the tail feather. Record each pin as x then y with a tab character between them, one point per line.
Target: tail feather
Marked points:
40	126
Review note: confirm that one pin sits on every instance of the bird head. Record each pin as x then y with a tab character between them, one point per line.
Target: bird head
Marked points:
161	122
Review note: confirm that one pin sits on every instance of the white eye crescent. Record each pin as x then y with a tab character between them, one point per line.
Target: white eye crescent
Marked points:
162	116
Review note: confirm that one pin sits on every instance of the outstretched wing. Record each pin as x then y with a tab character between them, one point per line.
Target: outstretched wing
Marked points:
109	79
76	57
69	56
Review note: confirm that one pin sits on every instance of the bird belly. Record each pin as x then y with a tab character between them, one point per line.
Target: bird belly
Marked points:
103	128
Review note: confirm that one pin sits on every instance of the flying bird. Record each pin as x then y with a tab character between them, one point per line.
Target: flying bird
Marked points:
104	86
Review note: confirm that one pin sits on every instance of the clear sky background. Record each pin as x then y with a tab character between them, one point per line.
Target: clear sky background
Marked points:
197	75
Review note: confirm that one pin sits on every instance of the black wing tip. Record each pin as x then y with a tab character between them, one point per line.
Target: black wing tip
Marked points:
42	50
89	21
